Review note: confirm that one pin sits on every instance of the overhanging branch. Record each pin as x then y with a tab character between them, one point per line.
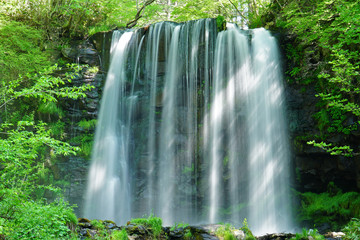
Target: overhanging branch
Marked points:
237	10
138	15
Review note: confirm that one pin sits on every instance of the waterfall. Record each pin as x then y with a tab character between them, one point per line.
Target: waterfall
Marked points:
109	170
192	128
268	145
227	114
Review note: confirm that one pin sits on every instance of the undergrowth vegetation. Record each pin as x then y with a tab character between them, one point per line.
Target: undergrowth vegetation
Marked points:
31	136
332	207
352	230
308	234
39	220
225	232
153	222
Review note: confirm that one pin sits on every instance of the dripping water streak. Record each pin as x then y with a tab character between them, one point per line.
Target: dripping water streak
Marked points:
167	135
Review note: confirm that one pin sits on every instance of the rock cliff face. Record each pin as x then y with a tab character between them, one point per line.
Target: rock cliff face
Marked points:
74	169
313	168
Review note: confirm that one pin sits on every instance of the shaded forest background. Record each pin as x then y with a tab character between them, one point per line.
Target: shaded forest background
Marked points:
322	50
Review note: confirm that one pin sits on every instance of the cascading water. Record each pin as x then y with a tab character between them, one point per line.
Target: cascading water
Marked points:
109	169
192	129
268	145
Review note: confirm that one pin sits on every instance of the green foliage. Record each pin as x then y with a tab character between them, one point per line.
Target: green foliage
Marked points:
58	16
178	226
333	207
88	124
20	51
245	228
50	108
85	140
57	129
27	146
187	235
333	150
326	54
184	227
37	220
226	232
191	10
21	165
102	232
351	230
119	235
153	222
220	23
307	234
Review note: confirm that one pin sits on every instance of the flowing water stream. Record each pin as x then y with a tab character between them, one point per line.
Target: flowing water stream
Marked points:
192	129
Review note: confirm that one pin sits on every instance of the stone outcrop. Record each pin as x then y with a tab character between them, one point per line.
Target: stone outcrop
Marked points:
94	229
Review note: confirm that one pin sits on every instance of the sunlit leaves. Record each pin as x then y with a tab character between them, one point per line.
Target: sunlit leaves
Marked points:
333	150
327	35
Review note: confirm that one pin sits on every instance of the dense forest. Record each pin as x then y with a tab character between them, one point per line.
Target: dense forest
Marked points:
321	44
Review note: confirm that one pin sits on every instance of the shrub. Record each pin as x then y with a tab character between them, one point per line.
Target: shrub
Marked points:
38	220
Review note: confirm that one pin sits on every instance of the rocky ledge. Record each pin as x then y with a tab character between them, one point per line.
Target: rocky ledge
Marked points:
133	231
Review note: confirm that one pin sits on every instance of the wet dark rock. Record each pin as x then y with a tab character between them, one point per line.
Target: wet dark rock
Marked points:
139	232
82	53
315	168
110	224
135	229
277	236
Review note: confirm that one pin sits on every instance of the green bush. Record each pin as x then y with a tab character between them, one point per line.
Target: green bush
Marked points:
352	230
38	220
